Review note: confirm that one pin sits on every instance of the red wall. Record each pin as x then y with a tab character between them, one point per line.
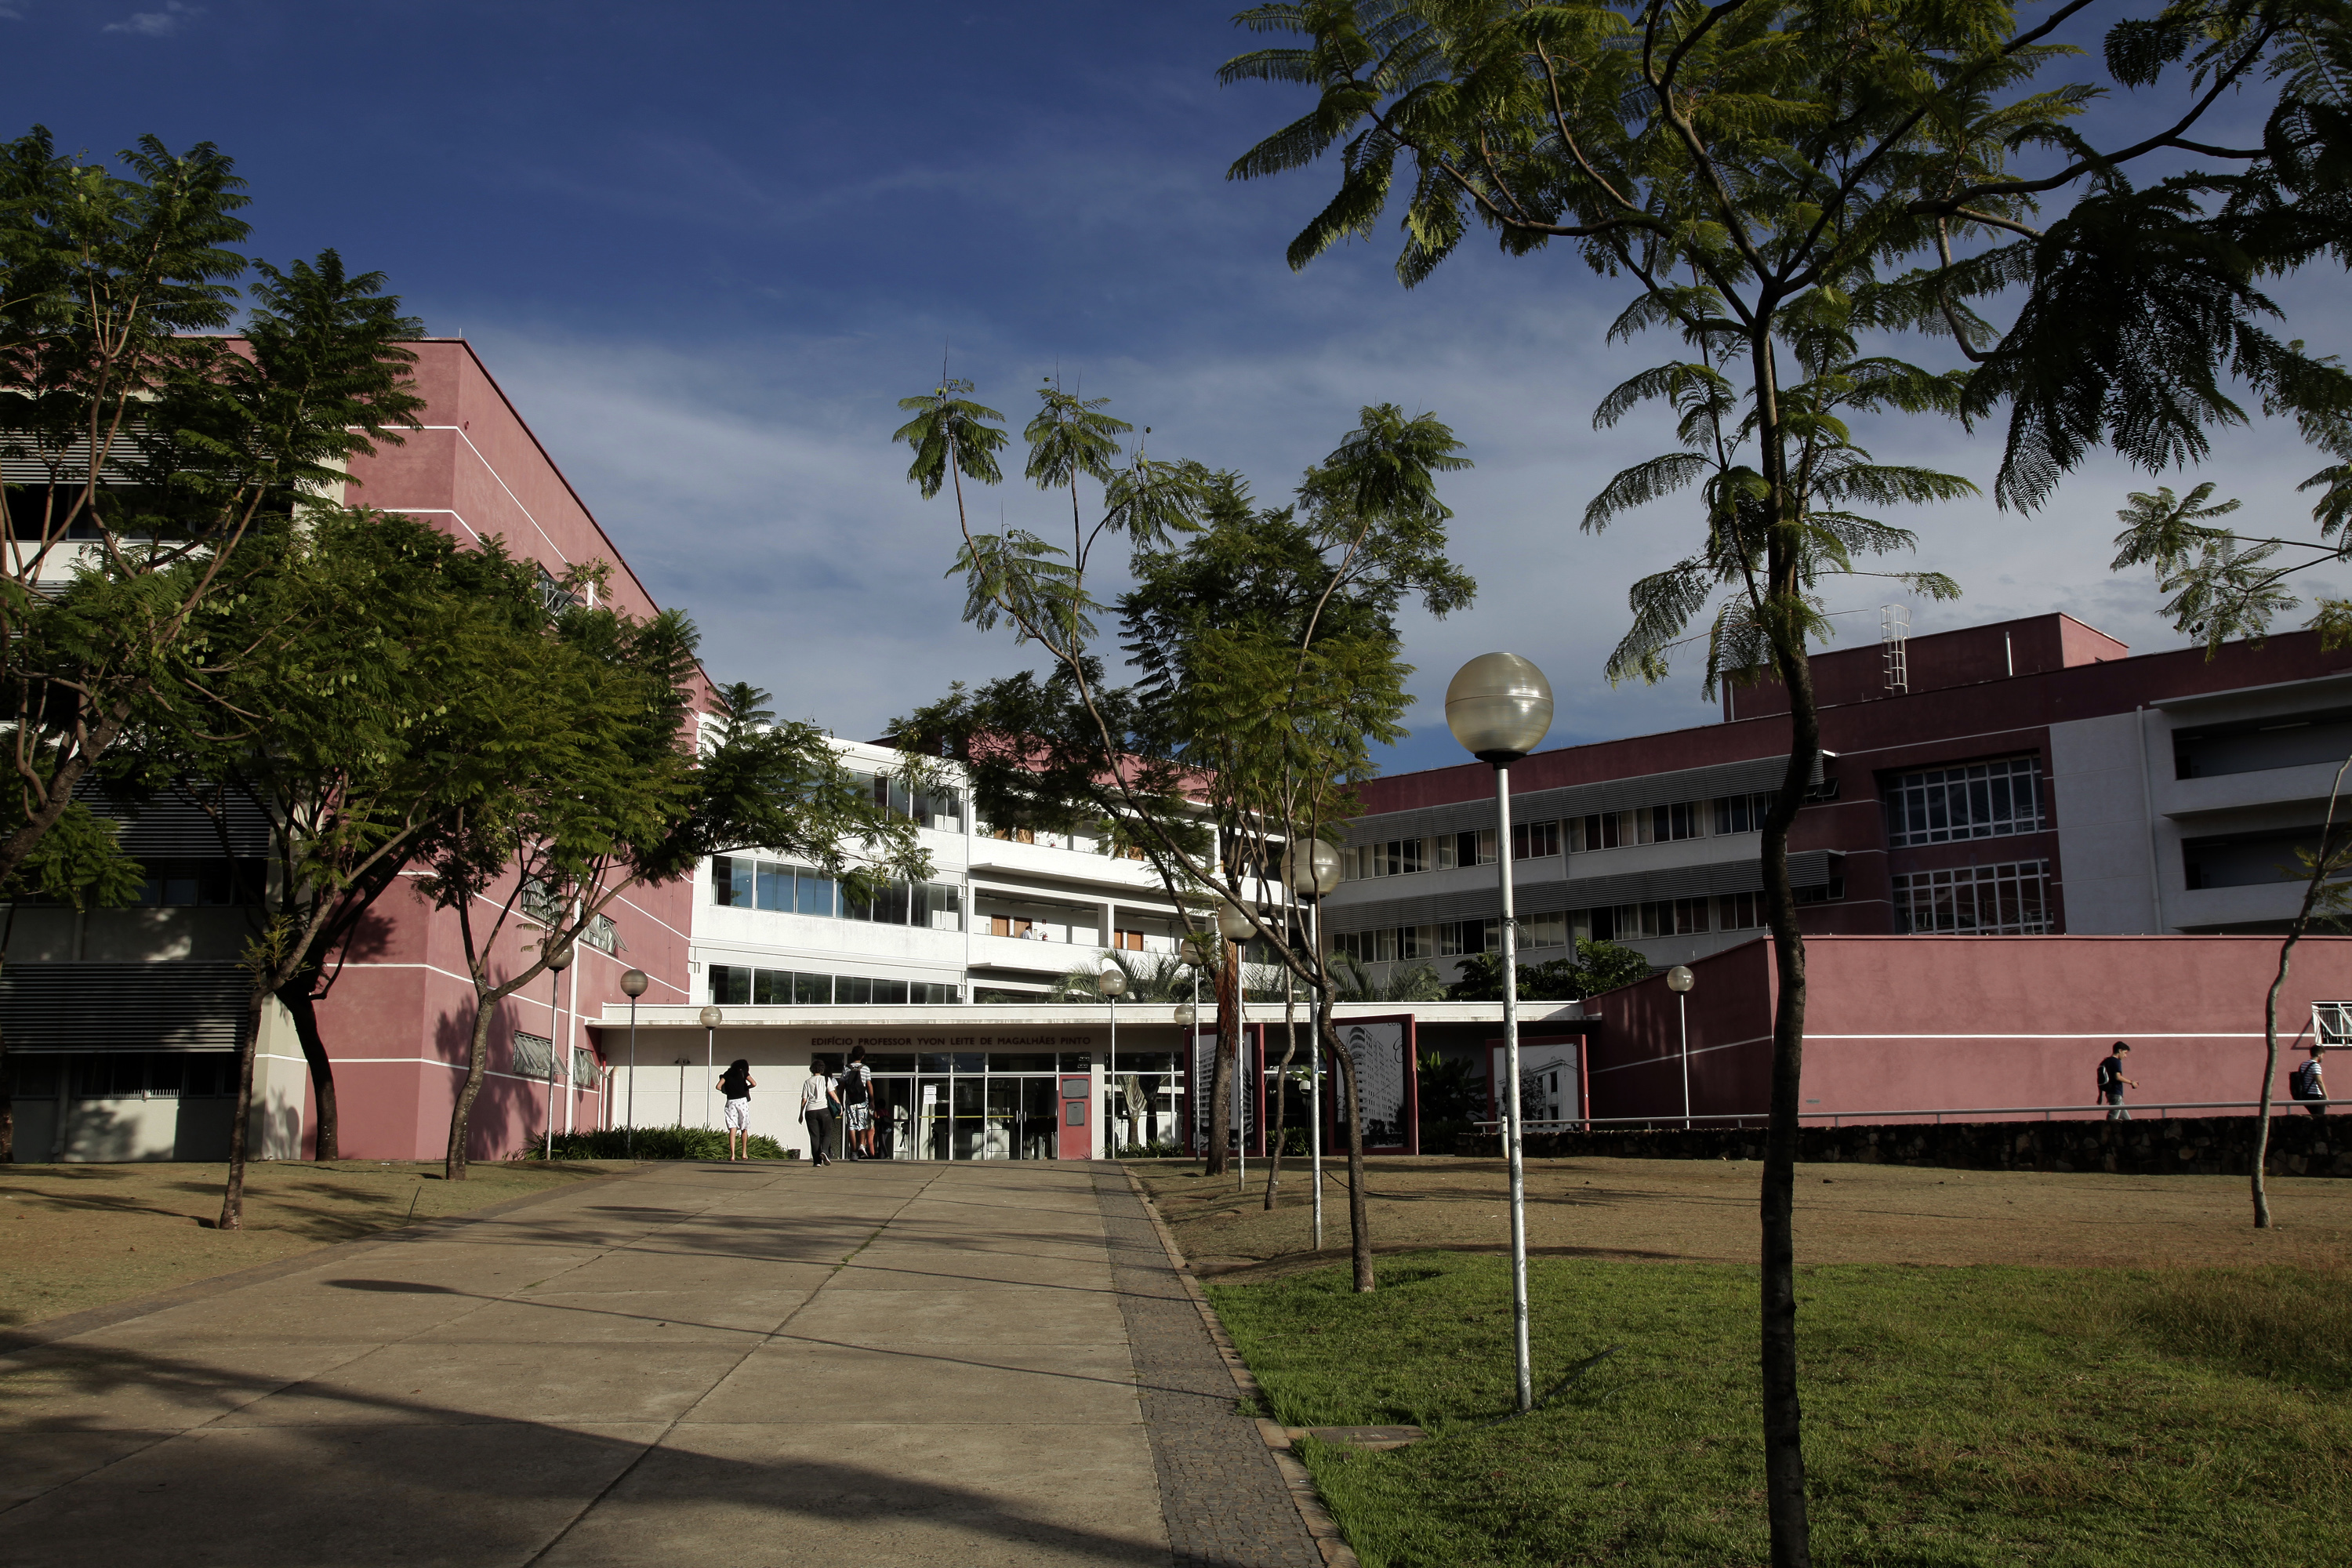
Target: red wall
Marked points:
1911	1024
399	1017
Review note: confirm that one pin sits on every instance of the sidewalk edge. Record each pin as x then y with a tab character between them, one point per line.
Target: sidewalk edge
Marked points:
48	1330
1312	1513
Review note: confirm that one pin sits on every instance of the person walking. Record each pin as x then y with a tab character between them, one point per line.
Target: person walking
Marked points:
817	1099
2112	1082
2306	1086
737	1084
856	1085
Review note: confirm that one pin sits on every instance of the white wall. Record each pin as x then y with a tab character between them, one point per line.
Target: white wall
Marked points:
2100	794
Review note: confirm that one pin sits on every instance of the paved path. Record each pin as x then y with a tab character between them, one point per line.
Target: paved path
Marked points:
867	1364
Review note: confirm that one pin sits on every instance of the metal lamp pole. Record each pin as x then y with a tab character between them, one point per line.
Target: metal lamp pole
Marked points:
1312	874
634	983
1111	982
1499	706
1679	979
712	1018
557	962
1233	924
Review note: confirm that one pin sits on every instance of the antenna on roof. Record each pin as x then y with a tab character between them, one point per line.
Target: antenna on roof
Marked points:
1894	634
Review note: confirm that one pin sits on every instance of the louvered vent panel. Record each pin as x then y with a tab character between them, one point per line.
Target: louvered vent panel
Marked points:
122	1007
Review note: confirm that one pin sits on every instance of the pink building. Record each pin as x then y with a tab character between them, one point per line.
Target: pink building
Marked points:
121	1022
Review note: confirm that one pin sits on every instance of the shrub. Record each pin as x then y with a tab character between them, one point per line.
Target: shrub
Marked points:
658	1143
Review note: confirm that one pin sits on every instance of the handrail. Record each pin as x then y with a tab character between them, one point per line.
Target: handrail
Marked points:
1979	1113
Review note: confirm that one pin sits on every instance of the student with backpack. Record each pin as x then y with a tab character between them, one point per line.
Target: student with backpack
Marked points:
2305	1085
737	1084
857	1090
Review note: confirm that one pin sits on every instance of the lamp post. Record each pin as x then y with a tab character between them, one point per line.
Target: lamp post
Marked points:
712	1018
1499	706
1234	924
1111	984
633	984
1194	950
557	962
1679	979
1311	874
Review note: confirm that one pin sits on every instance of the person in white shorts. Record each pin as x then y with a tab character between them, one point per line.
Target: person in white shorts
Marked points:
737	1084
855	1088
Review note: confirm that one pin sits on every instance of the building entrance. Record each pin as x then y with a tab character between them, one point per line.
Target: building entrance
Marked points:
968	1105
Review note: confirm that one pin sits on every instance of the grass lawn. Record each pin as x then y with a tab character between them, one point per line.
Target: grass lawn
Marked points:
1954	1416
74	1236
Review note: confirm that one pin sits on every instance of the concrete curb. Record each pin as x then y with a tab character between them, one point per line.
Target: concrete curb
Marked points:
1336	1552
48	1330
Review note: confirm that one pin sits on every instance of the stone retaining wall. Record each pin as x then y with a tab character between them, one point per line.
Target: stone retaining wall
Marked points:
2301	1145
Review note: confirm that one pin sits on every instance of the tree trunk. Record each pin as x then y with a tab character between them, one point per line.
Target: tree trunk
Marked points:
1360	1219
2270	1071
1221	1080
1281	1095
452	1167
302	1005
2324	862
232	1213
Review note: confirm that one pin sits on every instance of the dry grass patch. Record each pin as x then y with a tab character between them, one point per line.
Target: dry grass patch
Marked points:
81	1236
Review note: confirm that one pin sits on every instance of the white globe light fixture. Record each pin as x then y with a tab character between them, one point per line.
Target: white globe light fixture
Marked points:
1110	986
557	962
1312	869
1499	707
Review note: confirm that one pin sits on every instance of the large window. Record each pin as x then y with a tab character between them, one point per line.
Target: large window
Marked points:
738	881
1986	900
741	986
1982	800
2331	1022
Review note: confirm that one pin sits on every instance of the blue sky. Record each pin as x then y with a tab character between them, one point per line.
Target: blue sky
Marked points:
707	246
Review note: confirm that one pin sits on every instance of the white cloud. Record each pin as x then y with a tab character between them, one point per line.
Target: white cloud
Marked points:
161	24
756	487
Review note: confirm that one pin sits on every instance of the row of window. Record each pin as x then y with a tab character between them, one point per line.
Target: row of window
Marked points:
1983	901
1539	840
740	986
741	882
1927	805
124	1075
534	1056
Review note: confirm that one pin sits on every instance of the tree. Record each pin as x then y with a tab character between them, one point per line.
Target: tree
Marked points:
1598	966
610	786
2224	583
161	443
2324	898
1758	171
1264	641
359	701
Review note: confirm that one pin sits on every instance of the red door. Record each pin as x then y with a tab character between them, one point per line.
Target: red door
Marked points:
1077	1133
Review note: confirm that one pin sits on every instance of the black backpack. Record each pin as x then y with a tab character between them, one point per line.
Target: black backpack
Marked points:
852	1084
2303	1084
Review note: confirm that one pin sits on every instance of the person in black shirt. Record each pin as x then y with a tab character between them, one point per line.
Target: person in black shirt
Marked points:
737	1084
856	1086
2112	1082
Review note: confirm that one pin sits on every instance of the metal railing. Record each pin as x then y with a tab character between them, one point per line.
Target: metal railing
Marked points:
2279	1106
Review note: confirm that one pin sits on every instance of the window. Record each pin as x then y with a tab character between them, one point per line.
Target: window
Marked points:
540	904
1533	841
583	1065
1741	812
1984	800
1543	930
2331	1023
1603	831
1991	901
1672	824
603	934
1739	912
741	882
534	1055
740	986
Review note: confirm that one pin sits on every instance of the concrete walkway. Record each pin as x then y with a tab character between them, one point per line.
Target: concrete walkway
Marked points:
744	1366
